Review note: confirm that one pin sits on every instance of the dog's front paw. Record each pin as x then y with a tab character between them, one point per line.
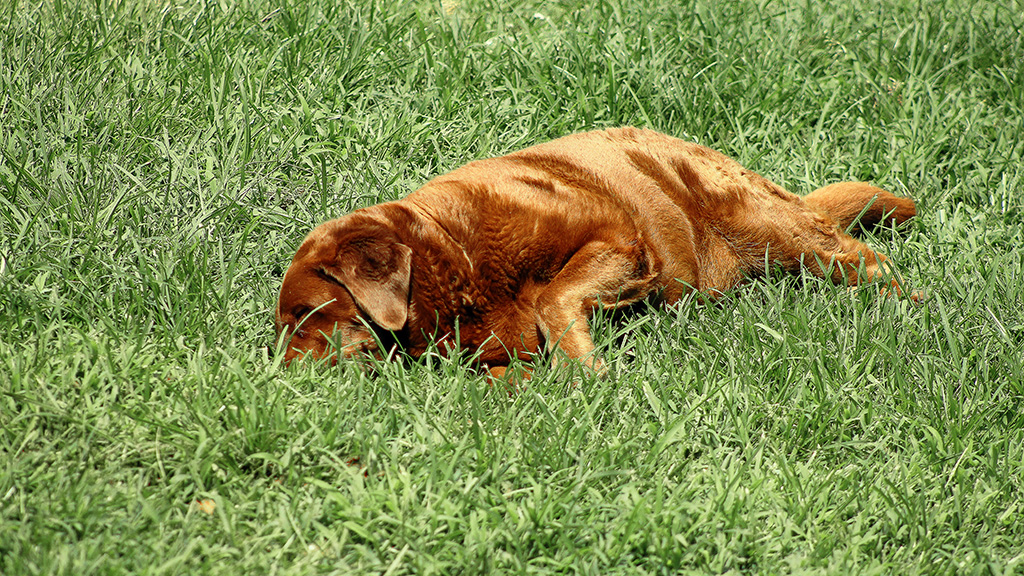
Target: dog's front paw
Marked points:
898	288
590	364
597	366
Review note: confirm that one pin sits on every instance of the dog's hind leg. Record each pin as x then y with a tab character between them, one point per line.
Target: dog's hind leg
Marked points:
854	206
846	260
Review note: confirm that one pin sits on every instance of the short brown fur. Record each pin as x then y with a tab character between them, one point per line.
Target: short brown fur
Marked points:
517	251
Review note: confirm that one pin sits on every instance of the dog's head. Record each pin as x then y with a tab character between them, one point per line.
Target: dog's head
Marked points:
349	276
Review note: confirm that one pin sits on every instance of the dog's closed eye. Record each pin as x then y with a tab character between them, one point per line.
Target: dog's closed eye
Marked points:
300	312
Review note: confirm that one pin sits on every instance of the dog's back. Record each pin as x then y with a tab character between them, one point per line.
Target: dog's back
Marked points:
707	220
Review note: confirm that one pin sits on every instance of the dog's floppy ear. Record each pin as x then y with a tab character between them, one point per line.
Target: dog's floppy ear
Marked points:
376	269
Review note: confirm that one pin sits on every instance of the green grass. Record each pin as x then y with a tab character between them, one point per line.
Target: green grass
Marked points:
161	161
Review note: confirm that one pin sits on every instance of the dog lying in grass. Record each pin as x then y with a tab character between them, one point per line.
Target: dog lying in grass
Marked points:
513	254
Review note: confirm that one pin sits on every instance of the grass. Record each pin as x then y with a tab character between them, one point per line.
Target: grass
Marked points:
161	161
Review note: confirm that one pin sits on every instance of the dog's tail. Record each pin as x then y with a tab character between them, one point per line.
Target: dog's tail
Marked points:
857	205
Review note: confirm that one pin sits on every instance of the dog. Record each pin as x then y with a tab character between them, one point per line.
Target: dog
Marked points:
507	257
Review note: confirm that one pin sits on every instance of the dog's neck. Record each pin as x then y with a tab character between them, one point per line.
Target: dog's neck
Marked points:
444	277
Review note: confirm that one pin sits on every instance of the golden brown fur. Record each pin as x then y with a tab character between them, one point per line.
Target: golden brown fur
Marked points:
517	251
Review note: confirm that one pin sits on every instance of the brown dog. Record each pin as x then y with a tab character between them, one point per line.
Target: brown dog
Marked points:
513	254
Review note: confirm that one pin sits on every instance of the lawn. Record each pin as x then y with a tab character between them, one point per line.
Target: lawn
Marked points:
160	161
